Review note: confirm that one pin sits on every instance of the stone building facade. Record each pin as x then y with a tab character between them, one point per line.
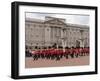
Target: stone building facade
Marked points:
51	31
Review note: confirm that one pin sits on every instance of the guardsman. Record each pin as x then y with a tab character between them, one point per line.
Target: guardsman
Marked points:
71	53
66	53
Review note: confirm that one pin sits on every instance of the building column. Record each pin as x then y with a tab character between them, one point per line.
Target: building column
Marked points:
63	40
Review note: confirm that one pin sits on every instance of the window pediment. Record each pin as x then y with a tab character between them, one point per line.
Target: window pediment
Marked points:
56	22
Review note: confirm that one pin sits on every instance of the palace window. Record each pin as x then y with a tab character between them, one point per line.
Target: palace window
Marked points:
47	29
37	35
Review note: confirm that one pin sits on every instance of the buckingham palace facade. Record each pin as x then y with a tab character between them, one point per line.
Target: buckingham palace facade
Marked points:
55	31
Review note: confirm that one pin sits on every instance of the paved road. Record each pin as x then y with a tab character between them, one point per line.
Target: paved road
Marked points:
29	63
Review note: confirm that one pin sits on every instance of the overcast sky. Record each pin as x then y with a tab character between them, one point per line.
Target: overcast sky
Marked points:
70	18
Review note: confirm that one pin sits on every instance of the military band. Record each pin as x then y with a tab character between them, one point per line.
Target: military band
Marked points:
57	54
